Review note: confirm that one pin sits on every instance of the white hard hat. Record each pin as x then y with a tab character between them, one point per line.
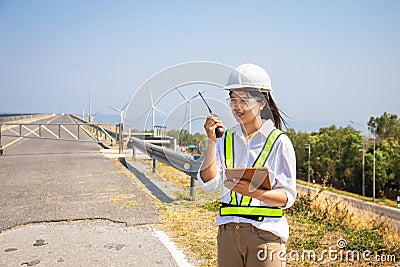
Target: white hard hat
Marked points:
249	76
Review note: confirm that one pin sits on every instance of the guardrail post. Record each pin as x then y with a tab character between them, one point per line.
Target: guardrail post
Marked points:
121	138
133	152
155	165
193	179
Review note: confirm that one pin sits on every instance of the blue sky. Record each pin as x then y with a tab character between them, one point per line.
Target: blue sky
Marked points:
329	61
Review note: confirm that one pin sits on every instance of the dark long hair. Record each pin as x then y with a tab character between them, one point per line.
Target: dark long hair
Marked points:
278	119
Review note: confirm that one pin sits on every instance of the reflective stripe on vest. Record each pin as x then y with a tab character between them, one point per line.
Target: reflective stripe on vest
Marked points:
251	211
244	208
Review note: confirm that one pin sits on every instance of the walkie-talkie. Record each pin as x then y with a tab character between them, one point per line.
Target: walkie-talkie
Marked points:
219	131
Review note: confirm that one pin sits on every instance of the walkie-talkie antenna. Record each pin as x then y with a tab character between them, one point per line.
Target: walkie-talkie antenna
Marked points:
219	131
209	109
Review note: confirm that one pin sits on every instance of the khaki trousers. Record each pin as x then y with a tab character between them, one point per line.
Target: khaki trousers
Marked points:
242	244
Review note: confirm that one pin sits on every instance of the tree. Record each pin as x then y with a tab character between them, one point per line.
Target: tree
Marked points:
299	140
336	156
389	154
387	126
349	162
184	138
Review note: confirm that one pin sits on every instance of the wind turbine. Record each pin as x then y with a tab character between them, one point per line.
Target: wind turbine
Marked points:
91	116
122	111
189	104
152	109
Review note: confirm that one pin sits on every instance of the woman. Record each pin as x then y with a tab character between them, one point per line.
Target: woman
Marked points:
252	230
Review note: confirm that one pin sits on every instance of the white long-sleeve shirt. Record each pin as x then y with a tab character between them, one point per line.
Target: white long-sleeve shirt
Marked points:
282	169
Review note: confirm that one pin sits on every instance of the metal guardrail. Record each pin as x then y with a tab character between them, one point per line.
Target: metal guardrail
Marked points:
188	164
36	130
115	136
97	126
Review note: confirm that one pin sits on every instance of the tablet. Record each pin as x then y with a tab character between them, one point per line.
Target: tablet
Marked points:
258	177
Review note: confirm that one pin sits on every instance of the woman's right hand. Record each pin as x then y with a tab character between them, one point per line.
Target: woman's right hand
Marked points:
212	122
209	167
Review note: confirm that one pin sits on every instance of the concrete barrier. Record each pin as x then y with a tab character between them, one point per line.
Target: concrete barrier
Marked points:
15	117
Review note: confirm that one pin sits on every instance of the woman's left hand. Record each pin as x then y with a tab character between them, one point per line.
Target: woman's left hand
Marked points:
274	197
241	186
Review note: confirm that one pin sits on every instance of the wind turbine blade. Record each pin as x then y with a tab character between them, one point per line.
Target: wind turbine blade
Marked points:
126	105
151	98
184	97
159	110
124	108
197	95
193	97
117	110
147	112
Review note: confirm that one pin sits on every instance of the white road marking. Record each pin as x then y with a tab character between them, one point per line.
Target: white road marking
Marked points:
177	254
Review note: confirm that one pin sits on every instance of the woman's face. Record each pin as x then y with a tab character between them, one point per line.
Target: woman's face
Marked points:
245	108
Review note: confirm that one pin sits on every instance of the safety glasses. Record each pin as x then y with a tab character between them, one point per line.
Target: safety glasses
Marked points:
244	103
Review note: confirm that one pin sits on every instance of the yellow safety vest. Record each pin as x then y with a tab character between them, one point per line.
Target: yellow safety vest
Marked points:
243	209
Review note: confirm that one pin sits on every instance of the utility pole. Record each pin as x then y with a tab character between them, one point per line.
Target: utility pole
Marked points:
373	173
363	164
374	167
363	167
309	163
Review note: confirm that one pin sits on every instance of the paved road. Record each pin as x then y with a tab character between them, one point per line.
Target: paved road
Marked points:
64	204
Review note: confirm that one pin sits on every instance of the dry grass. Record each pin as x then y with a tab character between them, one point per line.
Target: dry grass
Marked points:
192	230
173	175
125	201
